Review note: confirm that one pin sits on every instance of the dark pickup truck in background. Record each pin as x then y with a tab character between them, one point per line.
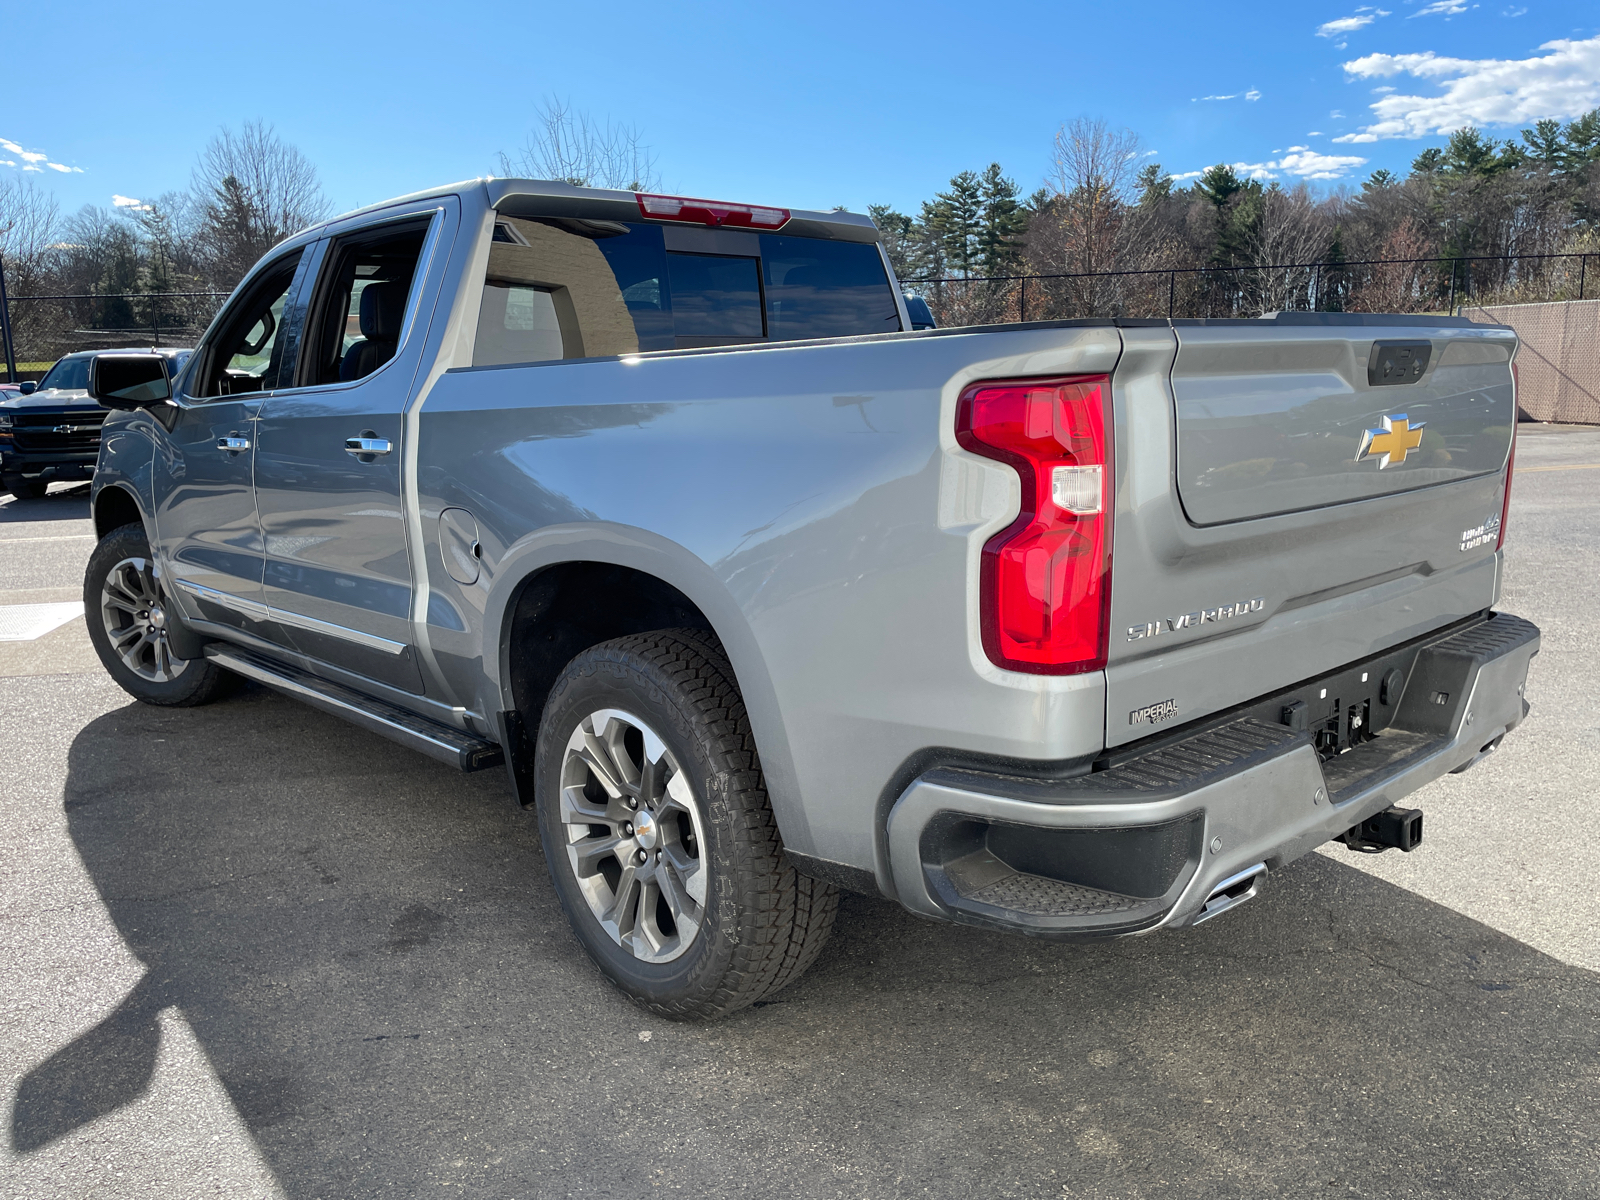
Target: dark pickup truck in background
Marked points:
50	431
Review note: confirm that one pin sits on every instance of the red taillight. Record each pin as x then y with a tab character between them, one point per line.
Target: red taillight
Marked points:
1046	585
711	212
1511	462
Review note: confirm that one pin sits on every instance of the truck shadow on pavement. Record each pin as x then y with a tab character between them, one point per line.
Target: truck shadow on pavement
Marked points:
368	948
62	504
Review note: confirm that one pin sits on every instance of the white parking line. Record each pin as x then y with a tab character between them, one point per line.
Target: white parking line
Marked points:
25	622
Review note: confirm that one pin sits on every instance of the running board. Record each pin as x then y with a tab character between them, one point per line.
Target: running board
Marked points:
460	750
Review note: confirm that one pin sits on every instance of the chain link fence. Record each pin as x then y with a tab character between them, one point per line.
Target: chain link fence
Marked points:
43	328
1437	285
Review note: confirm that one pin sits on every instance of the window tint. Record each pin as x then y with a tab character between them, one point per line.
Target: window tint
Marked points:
715	296
245	355
361	303
67	373
568	288
818	289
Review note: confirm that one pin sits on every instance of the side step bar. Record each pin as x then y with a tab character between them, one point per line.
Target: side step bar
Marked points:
460	750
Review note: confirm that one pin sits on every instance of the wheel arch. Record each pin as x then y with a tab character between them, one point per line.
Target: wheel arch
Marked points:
570	589
114	506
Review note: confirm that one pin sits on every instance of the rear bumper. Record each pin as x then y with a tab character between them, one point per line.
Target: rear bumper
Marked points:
1148	842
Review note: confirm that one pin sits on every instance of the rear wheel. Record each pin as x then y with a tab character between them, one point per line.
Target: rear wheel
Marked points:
128	611
659	834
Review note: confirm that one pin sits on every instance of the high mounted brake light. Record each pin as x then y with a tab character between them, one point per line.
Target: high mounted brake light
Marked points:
1046	584
710	212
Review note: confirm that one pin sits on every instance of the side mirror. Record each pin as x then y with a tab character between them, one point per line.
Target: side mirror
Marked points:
27	387
129	381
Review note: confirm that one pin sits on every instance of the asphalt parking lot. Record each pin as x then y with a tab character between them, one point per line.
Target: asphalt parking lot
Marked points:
248	950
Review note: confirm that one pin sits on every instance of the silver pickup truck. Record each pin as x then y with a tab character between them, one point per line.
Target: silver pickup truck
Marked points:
1072	629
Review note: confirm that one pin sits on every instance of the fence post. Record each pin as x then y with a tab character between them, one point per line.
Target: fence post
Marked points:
1450	308
1172	292
1583	269
5	327
1023	308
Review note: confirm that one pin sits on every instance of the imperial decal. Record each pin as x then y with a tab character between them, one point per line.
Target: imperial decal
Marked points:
1223	612
1488	532
1154	714
1389	444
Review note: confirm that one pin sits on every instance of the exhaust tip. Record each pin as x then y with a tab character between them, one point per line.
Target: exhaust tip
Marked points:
1232	892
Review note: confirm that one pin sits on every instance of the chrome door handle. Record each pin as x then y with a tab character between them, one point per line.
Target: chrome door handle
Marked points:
367	445
233	444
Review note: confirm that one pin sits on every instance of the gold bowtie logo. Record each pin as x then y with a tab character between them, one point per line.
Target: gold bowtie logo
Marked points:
1390	444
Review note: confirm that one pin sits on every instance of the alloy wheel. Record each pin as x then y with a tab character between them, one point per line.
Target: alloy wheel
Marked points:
634	835
134	611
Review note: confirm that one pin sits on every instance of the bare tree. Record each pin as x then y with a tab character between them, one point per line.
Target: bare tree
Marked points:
253	190
30	222
572	147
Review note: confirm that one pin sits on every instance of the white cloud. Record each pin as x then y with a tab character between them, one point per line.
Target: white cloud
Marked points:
1293	149
1316	133
32	158
1489	91
1251	95
1363	18
8	162
1442	8
1303	164
1514	12
1337	114
1300	162
129	202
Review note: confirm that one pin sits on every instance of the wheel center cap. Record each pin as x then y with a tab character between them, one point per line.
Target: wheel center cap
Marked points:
645	830
158	618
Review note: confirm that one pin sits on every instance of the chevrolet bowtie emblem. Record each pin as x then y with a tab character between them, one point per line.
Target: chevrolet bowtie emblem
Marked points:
1390	444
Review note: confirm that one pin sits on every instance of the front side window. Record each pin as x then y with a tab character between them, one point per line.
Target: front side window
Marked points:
566	288
245	355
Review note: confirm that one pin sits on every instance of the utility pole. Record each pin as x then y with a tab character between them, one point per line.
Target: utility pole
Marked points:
5	326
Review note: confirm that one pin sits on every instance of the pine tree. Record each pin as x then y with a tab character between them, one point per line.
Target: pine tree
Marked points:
955	218
1005	221
1154	185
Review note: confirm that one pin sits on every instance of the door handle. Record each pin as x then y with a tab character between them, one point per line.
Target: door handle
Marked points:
358	446
233	443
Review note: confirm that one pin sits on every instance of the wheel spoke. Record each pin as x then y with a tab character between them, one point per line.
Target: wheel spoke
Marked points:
625	906
594	754
688	869
626	774
684	909
589	853
578	809
645	929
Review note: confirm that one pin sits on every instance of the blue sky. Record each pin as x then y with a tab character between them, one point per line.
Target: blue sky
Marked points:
809	105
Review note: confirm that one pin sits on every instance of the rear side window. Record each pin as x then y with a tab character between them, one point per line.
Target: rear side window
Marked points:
567	288
818	289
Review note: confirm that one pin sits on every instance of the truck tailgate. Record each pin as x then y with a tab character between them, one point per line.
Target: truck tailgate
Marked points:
1294	496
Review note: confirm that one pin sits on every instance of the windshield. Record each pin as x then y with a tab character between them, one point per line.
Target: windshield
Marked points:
68	373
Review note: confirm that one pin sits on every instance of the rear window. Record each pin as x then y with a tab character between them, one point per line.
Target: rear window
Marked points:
566	288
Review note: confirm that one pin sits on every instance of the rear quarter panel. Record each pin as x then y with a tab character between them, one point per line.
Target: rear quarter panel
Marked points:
811	500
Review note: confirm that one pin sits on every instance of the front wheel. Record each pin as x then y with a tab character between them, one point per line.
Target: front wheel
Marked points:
659	834
24	488
129	614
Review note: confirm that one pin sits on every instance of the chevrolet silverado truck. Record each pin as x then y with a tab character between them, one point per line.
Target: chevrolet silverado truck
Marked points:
50	431
1071	629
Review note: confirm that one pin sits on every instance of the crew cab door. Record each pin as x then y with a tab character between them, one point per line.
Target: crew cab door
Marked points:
330	458
208	537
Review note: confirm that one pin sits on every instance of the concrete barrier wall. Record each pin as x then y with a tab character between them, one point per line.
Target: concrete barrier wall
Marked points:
1558	367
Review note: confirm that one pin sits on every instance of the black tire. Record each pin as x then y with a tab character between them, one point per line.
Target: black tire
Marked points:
765	923
191	682
24	488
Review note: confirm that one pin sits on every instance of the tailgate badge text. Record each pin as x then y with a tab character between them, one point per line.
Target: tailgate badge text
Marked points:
1488	532
1223	612
1154	714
